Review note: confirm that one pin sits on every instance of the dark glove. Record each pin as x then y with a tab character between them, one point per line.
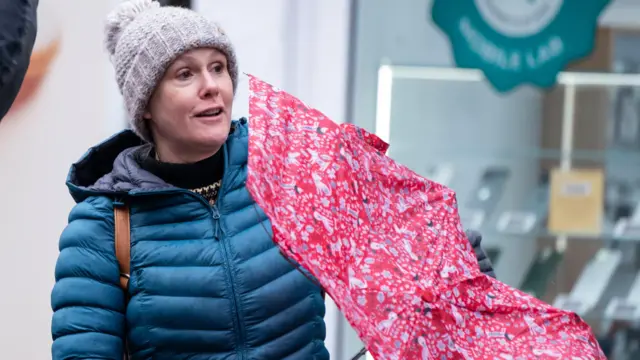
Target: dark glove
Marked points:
483	260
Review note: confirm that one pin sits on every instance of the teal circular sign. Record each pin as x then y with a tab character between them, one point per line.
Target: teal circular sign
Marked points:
515	42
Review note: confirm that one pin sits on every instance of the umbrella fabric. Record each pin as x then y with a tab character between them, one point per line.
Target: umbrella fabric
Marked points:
387	245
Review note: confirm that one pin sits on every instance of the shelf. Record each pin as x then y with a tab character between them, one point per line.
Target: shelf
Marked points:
475	151
605	236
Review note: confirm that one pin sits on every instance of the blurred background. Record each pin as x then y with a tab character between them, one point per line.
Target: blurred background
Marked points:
548	173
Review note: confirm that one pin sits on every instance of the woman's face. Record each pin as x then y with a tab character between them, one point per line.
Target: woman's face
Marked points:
190	110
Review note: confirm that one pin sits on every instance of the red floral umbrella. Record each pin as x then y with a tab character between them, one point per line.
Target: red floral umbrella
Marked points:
387	244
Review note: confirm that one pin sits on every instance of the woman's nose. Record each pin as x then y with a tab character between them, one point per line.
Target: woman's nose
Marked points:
209	87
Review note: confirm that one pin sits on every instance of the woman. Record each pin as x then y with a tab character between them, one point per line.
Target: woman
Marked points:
206	280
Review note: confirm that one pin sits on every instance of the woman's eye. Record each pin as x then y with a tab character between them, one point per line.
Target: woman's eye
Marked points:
218	68
184	75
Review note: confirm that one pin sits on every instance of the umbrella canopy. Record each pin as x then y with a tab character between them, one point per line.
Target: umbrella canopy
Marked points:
387	245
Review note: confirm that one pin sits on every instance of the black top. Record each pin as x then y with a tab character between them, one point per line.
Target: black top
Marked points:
203	177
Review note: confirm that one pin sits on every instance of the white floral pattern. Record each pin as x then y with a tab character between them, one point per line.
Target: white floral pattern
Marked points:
387	245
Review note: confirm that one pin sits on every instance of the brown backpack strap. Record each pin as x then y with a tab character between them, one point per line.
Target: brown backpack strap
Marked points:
123	243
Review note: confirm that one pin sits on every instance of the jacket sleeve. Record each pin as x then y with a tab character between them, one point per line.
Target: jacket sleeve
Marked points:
483	260
88	304
18	27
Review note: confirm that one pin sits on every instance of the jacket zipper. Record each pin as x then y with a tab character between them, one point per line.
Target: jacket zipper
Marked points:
228	265
220	233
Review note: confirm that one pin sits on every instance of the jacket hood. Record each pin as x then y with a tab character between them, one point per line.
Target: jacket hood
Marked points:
110	168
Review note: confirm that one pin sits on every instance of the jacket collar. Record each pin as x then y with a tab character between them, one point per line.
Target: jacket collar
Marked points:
111	168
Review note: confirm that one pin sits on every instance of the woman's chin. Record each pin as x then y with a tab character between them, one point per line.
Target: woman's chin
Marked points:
212	138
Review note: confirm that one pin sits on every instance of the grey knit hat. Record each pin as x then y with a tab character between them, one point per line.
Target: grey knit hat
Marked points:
143	39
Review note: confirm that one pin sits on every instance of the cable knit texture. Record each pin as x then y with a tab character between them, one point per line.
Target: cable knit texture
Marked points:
144	38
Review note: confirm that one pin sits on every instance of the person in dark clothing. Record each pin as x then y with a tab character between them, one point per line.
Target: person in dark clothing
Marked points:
18	27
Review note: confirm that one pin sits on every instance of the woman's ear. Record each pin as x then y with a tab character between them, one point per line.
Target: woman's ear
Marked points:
146	115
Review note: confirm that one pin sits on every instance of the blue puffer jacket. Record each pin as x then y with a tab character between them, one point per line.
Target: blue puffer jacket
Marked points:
206	282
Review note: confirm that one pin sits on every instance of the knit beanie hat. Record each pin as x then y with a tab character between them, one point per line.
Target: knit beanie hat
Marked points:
144	38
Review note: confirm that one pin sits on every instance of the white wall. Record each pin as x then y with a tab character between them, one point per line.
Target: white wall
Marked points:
38	142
